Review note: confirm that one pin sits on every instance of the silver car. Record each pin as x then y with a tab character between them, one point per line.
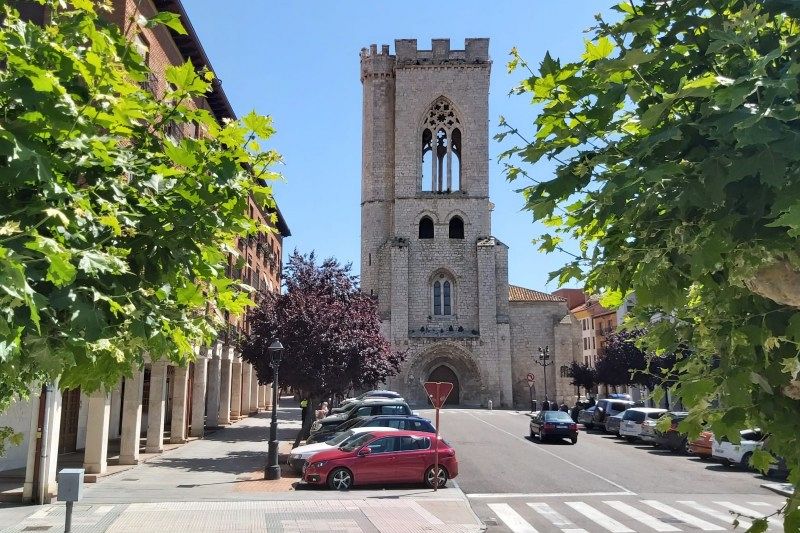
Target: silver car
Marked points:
613	423
585	417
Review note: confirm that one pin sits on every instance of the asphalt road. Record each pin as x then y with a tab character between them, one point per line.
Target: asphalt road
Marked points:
599	484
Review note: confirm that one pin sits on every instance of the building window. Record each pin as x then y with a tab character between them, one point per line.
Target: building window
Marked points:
593	346
564	371
441	148
442	297
456	230
426	228
584	343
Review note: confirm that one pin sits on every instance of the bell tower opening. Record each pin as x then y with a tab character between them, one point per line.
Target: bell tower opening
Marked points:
441	148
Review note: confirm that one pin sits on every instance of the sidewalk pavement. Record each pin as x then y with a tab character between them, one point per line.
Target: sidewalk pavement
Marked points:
217	484
784	489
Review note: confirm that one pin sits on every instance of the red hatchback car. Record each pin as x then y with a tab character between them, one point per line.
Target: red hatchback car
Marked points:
382	457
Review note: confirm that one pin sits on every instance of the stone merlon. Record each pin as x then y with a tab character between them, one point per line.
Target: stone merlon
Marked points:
476	50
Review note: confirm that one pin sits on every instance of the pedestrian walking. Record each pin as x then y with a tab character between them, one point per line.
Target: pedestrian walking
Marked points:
322	411
303	408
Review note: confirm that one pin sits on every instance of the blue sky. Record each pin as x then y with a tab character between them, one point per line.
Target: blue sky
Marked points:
299	63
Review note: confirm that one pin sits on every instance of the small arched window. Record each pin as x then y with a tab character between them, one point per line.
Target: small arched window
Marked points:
426	228
456	230
442	297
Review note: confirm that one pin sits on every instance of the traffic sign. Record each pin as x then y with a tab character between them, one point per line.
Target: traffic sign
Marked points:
530	377
438	392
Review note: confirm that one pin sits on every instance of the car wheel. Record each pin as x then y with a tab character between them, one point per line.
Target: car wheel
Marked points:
541	436
532	435
574	440
588	426
631	439
430	477
726	462
340	479
745	462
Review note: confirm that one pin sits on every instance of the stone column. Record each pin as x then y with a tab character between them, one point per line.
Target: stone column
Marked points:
236	387
268	396
214	380
180	396
155	407
247	377
253	390
95	458
262	396
225	386
131	419
199	381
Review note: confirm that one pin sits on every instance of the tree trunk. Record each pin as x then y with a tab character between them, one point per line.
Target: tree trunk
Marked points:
777	281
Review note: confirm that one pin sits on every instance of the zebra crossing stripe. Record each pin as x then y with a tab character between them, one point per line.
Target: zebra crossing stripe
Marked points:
683	517
749	512
640	516
726	518
511	518
599	518
556	518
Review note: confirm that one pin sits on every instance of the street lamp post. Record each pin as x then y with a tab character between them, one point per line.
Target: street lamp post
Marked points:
544	361
273	469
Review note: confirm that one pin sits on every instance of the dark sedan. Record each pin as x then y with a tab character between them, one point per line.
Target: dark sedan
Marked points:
324	429
558	424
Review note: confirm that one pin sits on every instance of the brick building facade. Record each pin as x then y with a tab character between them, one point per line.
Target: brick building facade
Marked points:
160	402
427	250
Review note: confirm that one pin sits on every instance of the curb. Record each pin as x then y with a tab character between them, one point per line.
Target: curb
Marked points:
784	489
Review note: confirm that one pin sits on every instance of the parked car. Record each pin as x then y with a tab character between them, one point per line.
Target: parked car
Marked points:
608	407
613	423
585	416
671	439
730	453
620	396
299	456
547	424
632	420
383	457
378	393
322	430
701	446
404	423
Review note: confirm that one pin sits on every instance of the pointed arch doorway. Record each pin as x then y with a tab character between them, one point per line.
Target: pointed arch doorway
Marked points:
445	374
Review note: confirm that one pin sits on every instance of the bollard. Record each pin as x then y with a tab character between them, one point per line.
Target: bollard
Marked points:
489	404
70	490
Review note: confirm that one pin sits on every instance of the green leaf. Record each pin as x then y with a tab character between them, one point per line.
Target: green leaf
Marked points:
260	125
93	263
599	50
168	19
184	78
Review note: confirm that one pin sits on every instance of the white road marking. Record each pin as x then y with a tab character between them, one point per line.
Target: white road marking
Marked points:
683	517
727	518
752	513
640	516
499	495
103	509
512	519
599	518
540	449
763	504
556	518
41	513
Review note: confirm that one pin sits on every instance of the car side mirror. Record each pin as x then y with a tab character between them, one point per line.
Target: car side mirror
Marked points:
363	452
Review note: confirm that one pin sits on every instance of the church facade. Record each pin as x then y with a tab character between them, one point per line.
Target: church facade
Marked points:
427	251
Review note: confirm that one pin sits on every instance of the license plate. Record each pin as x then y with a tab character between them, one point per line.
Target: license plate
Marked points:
562	425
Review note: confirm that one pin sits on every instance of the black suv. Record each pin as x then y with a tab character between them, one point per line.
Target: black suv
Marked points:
403	423
323	429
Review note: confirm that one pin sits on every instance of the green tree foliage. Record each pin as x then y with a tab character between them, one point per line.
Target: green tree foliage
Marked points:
114	231
675	138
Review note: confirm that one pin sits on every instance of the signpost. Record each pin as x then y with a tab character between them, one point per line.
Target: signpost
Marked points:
437	393
531	382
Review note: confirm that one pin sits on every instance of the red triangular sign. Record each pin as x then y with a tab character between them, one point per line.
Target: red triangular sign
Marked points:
438	392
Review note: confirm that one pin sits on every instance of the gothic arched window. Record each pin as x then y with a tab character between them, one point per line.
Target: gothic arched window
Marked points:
426	228
441	148
442	297
456	229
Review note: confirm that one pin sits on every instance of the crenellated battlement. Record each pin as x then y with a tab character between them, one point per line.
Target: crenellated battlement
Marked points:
476	51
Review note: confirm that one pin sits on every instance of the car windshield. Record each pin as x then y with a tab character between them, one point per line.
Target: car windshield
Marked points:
556	416
619	406
655	416
340	438
355	442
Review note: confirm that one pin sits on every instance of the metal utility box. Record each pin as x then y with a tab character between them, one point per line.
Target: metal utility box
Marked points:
70	484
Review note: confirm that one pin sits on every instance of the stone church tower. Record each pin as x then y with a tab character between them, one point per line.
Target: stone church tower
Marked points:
427	251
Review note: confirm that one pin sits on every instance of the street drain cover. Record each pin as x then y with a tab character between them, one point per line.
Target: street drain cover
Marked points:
37	528
491	522
130	479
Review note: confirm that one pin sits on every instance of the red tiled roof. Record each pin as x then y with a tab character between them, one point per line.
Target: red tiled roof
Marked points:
521	294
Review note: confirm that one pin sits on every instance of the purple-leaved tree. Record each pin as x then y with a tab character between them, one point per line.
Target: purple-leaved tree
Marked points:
330	331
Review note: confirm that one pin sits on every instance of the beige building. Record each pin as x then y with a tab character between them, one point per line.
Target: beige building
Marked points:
427	251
